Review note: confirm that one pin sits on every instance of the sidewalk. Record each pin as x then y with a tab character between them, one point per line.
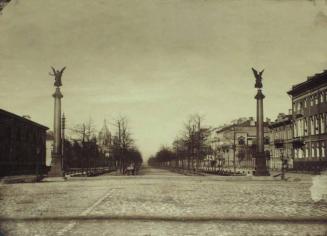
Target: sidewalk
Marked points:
289	176
19	179
274	176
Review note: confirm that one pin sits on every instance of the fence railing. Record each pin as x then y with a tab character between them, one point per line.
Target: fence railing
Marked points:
88	171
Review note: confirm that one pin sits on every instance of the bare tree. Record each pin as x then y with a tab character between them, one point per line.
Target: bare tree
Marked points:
85	133
194	139
122	143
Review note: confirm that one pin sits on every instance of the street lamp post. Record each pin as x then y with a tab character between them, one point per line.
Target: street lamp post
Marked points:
63	126
279	144
234	150
283	166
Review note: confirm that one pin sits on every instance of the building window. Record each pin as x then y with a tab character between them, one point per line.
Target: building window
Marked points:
311	100
317	125
323	151
299	106
322	123
298	128
305	127
312	151
305	103
316	99
321	97
307	152
301	153
241	140
290	134
317	150
312	127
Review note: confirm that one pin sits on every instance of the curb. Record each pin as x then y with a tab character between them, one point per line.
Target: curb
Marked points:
20	179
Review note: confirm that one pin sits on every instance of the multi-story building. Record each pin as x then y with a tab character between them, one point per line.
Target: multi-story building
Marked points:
309	106
235	143
22	145
281	141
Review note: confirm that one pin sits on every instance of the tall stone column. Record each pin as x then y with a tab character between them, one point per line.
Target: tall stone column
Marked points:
56	162
260	129
260	157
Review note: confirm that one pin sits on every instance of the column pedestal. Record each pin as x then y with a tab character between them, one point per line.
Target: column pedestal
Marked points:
56	170
260	165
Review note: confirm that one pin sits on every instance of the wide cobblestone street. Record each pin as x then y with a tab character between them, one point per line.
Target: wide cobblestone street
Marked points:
159	202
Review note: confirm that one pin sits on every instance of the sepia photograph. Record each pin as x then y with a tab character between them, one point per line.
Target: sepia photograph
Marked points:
163	117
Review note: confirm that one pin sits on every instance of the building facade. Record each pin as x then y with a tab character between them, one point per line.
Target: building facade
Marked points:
235	144
309	108
281	141
22	145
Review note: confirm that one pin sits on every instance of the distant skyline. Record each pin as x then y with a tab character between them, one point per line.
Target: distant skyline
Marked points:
157	61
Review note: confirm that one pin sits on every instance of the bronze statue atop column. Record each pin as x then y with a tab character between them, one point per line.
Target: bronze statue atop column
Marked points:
57	74
258	78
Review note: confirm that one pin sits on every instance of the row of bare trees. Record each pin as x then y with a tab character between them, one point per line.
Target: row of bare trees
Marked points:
124	152
188	149
83	150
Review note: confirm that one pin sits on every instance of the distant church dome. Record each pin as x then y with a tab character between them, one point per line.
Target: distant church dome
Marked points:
104	137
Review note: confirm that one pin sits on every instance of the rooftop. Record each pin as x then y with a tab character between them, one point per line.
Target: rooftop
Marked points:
242	122
282	119
311	83
22	119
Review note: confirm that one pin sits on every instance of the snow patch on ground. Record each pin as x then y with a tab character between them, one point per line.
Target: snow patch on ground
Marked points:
319	187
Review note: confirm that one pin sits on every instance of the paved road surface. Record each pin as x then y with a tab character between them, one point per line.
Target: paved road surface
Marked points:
159	202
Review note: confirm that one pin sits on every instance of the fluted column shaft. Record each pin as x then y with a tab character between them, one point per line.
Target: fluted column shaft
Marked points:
260	161
57	122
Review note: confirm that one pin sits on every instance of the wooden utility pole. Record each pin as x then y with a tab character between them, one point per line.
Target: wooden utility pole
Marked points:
234	150
63	126
120	148
199	144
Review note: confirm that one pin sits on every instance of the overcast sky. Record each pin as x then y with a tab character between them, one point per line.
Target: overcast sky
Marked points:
157	61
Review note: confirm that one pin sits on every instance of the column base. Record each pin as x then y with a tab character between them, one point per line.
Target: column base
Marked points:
56	169
260	165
